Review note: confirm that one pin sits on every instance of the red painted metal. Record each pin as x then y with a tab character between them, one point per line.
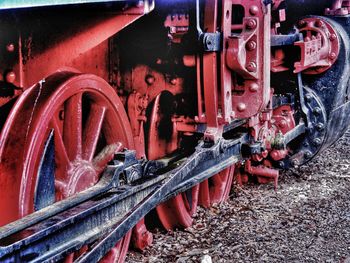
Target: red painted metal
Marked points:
178	211
283	118
89	34
320	47
141	237
263	173
210	76
177	25
217	188
248	56
89	125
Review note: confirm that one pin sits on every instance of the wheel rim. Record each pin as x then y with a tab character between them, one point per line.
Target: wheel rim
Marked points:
88	124
217	188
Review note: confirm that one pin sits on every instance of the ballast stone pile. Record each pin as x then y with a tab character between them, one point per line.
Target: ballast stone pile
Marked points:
306	220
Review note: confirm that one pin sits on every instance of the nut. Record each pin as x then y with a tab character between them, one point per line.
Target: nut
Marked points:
251	67
10	77
251	45
251	23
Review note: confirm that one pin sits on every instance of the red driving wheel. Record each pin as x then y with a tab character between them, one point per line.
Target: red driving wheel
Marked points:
217	188
81	116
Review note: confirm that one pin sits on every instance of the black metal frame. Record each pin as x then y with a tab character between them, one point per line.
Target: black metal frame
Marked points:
103	214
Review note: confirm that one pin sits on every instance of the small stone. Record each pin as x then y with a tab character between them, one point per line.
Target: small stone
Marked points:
206	259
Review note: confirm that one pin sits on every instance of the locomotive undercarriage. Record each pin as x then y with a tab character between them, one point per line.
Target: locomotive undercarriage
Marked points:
127	107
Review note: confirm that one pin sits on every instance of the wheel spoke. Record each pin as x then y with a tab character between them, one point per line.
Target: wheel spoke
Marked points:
217	180
72	132
92	131
61	156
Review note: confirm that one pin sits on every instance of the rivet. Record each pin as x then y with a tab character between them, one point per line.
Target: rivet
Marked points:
10	77
251	45
253	87
332	56
251	24
301	23
281	164
241	107
332	37
319	126
173	81
149	79
307	154
316	110
282	124
253	10
251	67
10	47
319	23
317	141
308	97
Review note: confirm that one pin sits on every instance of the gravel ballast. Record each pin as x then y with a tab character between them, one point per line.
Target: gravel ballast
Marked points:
306	220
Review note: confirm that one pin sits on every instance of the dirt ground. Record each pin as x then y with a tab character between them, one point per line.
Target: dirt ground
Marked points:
306	220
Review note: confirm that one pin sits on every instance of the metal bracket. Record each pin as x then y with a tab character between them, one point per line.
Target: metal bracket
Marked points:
211	41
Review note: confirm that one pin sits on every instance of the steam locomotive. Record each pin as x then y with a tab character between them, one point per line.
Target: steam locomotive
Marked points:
115	111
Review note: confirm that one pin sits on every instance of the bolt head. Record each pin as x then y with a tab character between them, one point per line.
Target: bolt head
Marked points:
319	126
251	67
241	107
317	141
10	77
251	23
10	47
307	154
251	45
253	10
